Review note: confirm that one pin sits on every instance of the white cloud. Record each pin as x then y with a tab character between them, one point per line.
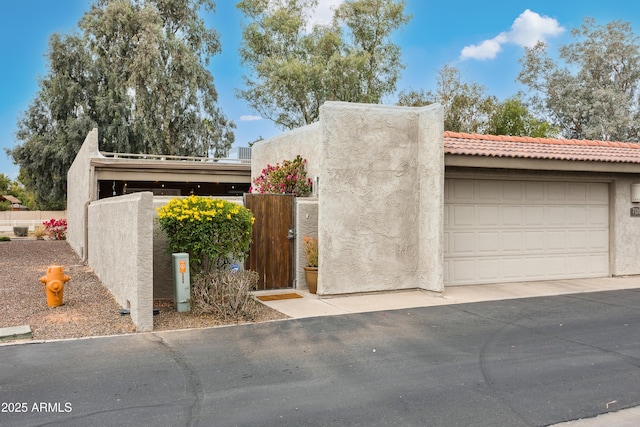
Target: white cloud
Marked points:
527	29
249	118
488	49
530	28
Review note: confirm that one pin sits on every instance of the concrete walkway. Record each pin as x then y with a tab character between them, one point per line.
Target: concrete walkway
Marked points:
313	305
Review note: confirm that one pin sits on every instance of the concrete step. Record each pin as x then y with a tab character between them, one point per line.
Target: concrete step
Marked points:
15	333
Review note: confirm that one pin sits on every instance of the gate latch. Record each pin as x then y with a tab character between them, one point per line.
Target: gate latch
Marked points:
291	234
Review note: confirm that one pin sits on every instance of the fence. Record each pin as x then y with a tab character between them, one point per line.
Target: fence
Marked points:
31	219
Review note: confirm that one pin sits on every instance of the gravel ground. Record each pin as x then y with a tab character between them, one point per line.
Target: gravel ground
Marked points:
89	308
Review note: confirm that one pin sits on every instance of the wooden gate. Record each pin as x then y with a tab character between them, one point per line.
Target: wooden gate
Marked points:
271	252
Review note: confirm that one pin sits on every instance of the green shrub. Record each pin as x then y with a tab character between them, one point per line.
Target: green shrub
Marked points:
225	294
5	239
214	232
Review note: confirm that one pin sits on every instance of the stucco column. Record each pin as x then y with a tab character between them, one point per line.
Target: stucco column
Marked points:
431	198
369	209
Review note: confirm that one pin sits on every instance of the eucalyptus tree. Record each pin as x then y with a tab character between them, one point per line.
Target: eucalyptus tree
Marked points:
467	106
138	72
294	67
591	90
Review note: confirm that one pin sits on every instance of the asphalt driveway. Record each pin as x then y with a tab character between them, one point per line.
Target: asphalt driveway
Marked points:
520	362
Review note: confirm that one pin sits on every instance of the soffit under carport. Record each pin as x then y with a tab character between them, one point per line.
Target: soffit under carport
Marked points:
170	170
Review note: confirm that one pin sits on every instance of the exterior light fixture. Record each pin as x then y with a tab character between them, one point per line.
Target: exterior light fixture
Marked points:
635	193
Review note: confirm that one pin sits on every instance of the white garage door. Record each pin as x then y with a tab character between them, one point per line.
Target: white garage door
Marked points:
509	231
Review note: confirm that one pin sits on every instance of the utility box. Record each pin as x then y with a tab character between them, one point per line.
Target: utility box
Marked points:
181	282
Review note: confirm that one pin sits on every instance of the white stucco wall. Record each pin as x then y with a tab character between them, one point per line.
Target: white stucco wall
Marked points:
306	223
79	183
305	141
120	236
625	229
380	200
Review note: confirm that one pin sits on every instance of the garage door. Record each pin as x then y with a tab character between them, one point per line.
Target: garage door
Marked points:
508	231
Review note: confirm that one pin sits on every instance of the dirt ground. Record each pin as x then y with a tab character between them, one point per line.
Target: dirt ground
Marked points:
89	309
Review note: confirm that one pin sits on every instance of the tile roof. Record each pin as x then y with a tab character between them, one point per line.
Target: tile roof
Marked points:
540	148
10	199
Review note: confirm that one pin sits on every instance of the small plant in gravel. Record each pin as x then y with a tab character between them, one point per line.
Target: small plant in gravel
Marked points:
56	229
225	294
5	239
214	232
39	231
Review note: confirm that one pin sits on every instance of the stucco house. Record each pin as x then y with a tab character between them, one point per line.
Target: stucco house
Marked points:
404	205
400	204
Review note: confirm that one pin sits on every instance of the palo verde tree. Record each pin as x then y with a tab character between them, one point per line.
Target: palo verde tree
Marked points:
137	71
591	90
295	68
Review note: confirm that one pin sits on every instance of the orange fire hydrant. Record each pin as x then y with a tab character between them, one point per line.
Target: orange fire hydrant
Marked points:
54	284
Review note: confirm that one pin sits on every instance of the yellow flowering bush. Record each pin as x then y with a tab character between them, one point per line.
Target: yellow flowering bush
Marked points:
214	232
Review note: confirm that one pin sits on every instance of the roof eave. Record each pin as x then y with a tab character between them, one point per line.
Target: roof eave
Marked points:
473	161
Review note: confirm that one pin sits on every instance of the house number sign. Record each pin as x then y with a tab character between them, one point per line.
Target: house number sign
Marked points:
635	211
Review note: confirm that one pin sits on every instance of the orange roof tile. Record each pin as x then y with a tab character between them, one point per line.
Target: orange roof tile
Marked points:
456	143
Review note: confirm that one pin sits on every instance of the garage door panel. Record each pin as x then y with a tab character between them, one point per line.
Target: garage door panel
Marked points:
598	240
576	192
534	191
462	216
556	215
446	249
488	191
512	268
576	240
533	241
555	193
462	244
446	213
508	231
554	268
488	243
576	265
511	241
534	268
462	271
576	215
512	191
598	265
511	216
488	269
461	190
488	215
534	215
556	240
598	193
599	215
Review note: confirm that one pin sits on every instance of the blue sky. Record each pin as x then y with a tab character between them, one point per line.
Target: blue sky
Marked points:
483	39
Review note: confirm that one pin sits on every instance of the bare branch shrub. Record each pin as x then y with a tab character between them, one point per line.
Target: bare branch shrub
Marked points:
225	294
